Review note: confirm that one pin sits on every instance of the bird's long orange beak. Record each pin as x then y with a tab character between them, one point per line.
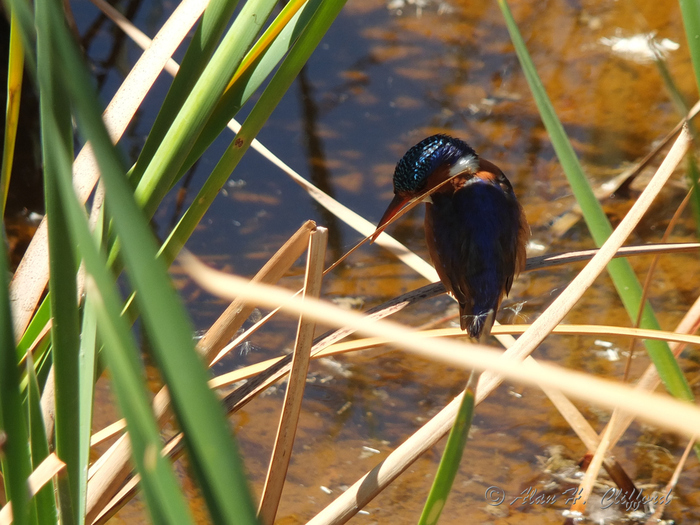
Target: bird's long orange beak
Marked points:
395	206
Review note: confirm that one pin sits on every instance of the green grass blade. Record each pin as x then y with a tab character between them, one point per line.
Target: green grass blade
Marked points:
15	69
65	330
624	279
86	388
690	9
47	512
212	452
283	78
161	171
15	459
163	496
200	50
693	178
682	107
247	81
451	457
41	317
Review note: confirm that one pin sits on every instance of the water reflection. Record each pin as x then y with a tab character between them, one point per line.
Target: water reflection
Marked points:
318	169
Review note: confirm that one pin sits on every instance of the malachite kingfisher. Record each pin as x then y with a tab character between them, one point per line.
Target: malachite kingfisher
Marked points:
475	227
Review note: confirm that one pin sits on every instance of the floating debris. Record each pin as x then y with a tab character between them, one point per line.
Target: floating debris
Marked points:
397	7
642	48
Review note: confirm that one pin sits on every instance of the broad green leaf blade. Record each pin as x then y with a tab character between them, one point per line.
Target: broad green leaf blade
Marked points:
275	90
65	329
451	457
624	279
15	459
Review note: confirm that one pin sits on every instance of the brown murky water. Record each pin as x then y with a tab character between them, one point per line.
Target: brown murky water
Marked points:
385	77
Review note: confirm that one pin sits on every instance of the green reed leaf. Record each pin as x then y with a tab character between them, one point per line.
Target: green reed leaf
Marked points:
16	456
624	279
451	457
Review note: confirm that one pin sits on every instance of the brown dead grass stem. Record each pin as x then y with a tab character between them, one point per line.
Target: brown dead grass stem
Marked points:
658	512
51	467
108	473
286	431
230	378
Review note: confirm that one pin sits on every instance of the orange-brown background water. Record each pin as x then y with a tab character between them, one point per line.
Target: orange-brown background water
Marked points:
383	78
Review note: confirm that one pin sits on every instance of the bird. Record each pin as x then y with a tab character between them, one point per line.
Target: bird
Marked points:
475	228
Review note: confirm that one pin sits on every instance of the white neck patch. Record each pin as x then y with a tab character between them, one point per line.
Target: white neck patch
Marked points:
468	163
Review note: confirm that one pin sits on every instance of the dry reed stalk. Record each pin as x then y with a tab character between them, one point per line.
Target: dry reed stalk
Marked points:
661	410
591	474
655	518
579	424
108	473
286	431
43	474
549	261
229	378
235	315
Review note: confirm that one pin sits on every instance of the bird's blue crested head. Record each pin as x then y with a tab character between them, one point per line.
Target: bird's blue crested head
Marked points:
415	167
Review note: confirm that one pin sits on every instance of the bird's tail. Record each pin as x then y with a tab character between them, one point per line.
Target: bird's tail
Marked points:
477	324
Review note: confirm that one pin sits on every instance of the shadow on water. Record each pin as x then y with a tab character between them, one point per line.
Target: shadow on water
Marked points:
318	170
